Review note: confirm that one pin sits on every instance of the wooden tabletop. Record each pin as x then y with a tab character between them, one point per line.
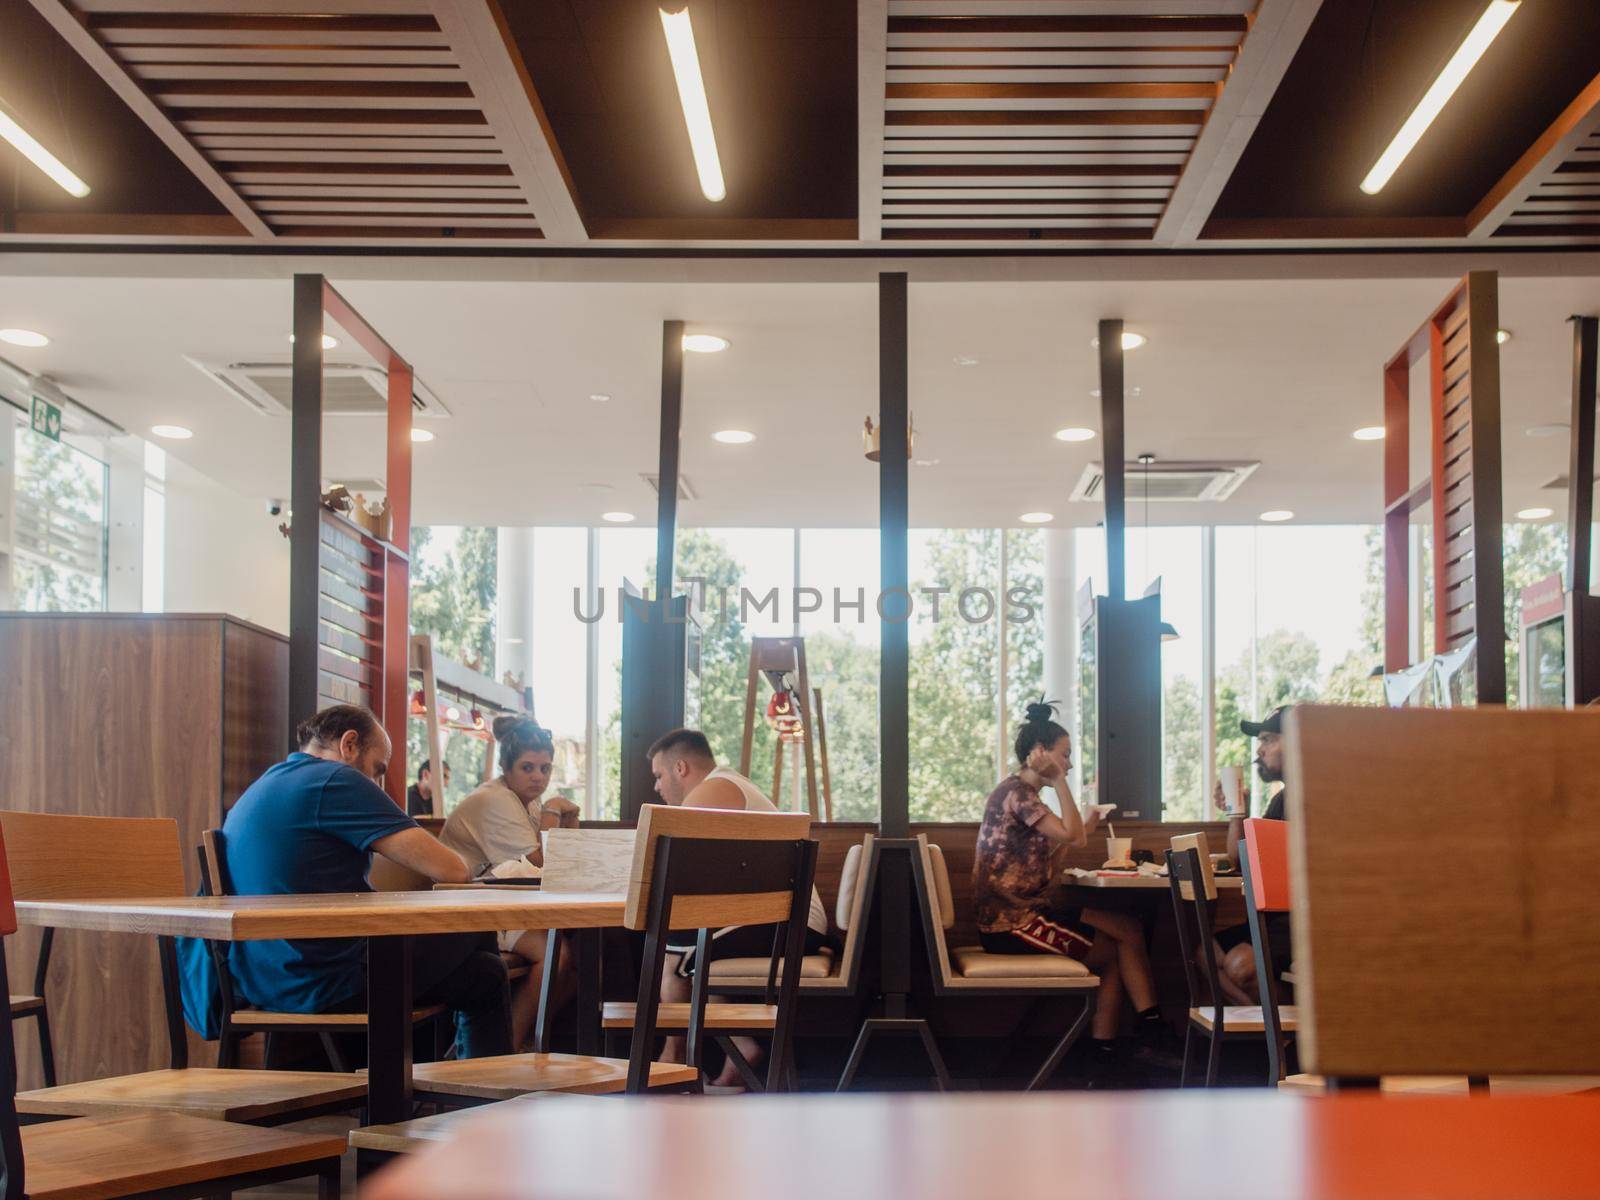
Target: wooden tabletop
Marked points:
1072	879
1241	1145
365	914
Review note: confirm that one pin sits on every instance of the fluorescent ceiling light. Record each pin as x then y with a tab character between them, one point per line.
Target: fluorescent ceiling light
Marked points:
599	397
1533	514
1130	341
418	434
23	337
1036	518
692	95
965	360
1276	515
1466	57
617	518
704	343
176	433
329	342
31	150
733	437
1075	433
1554	429
1369	433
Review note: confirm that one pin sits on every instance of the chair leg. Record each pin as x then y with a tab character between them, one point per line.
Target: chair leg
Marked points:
740	1064
330	1047
1074	1032
328	1181
271	1044
47	1053
1214	1058
1188	1039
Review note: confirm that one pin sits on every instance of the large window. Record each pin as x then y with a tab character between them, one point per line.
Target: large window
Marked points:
59	531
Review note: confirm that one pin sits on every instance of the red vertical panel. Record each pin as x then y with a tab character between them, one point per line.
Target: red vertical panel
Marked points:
397	578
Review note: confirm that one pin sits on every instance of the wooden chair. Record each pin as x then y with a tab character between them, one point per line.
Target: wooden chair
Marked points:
501	1078
144	1154
60	857
1443	922
1264	863
973	971
376	1144
1194	892
703	869
240	1021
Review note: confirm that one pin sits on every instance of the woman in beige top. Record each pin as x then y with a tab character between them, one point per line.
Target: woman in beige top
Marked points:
500	822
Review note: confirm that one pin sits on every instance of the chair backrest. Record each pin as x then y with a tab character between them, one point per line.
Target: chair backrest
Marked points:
60	856
849	913
1266	847
930	898
1197	842
214	864
709	908
587	860
1444	922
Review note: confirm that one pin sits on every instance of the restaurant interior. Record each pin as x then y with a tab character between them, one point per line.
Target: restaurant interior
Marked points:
1016	573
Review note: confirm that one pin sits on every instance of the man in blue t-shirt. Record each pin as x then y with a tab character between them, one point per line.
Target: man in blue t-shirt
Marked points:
310	824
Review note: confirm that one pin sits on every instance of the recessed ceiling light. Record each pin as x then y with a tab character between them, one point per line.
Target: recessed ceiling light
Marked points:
23	337
176	433
1074	433
1533	514
965	360
704	343
599	397
1133	391
733	437
692	97
1130	340
926	462
1554	429
418	434
1369	433
329	342
1275	515
42	158
1488	27
617	518
1036	518
1502	336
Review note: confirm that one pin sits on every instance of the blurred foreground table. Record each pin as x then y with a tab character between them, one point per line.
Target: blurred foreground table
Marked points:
1239	1145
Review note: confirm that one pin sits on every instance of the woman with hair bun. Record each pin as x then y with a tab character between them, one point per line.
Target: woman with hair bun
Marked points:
1015	878
500	823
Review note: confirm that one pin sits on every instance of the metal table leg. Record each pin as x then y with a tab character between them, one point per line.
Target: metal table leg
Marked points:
587	963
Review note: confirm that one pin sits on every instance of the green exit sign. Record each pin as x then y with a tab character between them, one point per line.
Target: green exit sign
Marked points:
46	419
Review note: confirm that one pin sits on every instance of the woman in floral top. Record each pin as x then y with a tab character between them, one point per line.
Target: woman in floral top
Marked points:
1020	910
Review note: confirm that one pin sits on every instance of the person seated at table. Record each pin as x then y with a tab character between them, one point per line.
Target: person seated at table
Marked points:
310	825
1021	850
500	823
419	796
1238	963
687	774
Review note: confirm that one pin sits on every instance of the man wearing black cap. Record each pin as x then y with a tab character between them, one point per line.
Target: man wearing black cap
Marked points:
1238	959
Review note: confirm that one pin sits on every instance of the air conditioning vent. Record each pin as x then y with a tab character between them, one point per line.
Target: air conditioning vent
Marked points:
348	389
1165	482
685	488
1560	482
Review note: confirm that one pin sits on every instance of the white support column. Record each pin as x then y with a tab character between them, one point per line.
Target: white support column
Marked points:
1002	755
125	524
591	682
513	583
1058	611
1208	664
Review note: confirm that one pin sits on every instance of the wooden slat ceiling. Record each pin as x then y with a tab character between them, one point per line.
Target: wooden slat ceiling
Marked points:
1566	203
331	118
1047	120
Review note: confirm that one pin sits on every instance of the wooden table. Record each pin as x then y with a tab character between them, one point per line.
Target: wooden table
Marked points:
1225	883
388	920
1242	1145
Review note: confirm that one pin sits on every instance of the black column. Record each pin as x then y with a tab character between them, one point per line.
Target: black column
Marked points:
1580	475
305	499
894	570
1111	427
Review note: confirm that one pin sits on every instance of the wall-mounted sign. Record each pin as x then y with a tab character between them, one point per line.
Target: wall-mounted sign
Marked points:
46	419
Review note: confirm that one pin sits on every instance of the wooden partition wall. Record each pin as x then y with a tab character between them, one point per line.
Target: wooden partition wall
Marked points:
124	715
1460	344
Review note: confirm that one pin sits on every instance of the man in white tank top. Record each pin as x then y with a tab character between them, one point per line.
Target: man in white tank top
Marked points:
687	774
